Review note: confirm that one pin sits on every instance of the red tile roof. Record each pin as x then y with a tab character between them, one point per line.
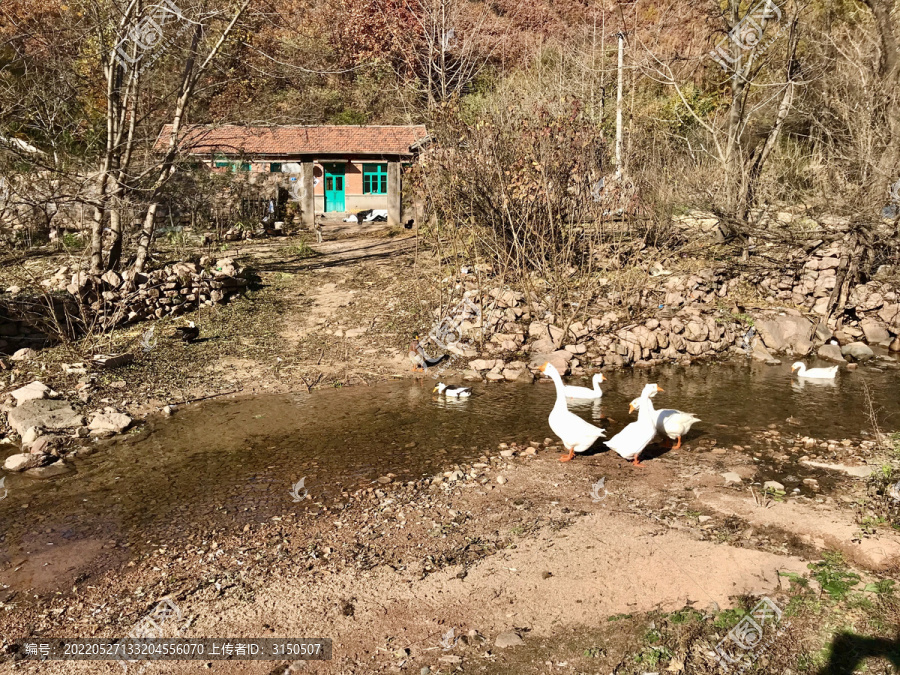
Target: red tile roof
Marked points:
232	139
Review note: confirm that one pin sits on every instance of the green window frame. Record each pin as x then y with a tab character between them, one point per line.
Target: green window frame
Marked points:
374	179
275	167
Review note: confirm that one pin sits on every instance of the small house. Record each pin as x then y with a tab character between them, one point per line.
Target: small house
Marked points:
327	169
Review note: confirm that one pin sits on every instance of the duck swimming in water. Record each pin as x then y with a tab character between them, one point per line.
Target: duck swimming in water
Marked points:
814	373
452	390
585	393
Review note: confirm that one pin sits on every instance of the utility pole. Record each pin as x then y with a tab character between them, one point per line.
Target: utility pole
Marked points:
619	95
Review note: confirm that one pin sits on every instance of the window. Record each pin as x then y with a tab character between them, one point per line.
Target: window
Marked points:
234	166
374	179
275	167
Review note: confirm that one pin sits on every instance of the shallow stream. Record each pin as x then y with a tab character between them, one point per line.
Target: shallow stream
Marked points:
221	464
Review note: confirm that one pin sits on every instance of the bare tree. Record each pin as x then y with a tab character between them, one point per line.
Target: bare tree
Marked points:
194	69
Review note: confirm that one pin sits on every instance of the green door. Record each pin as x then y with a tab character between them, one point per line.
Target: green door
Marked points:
334	187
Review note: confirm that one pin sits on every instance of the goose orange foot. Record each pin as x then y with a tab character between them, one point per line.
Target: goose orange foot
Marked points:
678	444
569	457
636	461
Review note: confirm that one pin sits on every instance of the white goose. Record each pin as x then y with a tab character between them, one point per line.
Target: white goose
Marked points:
669	422
576	434
814	373
584	392
631	441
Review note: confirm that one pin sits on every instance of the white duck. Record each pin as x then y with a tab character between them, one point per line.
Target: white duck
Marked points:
669	422
452	390
576	434
814	373
584	392
631	441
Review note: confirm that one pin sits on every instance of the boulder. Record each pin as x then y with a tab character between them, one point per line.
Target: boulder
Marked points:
514	370
875	331
760	353
538	330
44	413
30	392
21	462
859	351
560	362
542	346
831	352
696	331
110	421
112	279
781	332
509	639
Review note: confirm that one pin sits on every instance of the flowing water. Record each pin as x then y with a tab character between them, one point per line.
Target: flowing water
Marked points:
221	464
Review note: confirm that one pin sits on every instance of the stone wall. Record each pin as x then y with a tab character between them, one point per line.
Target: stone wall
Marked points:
872	309
113	299
31	321
685	317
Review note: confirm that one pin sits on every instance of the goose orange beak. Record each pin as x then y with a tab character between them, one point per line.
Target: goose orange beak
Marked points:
543	368
602	377
630	408
658	388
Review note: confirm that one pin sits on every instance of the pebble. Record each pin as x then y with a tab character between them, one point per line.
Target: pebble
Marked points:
731	477
502	480
507	453
773	485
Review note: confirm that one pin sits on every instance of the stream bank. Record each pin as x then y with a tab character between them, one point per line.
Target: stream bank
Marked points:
388	569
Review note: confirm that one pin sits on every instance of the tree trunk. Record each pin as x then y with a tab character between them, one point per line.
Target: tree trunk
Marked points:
748	198
619	97
97	225
889	69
